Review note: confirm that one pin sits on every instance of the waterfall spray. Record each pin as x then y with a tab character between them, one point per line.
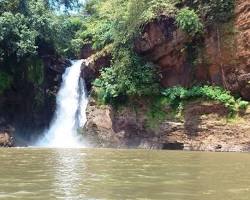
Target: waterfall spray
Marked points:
71	103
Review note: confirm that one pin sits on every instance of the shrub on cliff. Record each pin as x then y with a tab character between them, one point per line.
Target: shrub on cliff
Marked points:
213	11
178	95
189	21
128	76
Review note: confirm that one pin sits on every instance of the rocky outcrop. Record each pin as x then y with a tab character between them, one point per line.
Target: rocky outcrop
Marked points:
242	24
6	134
163	43
55	64
223	57
204	127
220	57
92	66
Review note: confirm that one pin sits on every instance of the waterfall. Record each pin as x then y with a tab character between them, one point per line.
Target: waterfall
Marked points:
71	103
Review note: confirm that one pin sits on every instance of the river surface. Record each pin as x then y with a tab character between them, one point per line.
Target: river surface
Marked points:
106	174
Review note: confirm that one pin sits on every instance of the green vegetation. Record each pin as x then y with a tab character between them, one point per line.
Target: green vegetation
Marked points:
157	112
129	75
177	96
117	23
5	81
189	21
28	27
24	27
213	11
170	105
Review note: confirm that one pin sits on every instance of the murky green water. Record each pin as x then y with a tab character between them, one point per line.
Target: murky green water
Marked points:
72	174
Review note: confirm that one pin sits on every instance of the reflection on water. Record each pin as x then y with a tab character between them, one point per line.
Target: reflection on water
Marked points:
98	174
68	167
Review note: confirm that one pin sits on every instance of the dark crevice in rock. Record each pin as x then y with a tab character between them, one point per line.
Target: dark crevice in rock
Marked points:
173	146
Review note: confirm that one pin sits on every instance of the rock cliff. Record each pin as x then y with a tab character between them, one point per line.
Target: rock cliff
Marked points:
221	59
204	127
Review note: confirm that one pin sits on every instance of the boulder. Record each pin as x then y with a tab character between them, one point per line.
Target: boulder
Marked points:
6	134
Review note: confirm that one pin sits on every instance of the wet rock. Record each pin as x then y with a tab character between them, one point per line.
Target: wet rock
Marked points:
6	140
6	134
56	64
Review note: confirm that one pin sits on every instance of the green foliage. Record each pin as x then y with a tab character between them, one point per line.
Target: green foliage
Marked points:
26	23
129	75
63	4
242	105
119	21
65	33
27	28
154	8
213	11
157	111
15	35
189	21
178	95
5	81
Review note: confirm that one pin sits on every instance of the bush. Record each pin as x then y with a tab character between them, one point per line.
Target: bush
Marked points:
129	75
242	104
178	95
213	11
189	21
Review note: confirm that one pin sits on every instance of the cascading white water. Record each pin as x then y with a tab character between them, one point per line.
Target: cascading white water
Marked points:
70	111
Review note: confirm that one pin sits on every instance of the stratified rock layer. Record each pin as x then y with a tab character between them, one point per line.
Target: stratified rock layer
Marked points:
204	127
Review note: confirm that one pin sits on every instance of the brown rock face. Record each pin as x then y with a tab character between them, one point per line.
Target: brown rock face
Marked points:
6	134
225	55
86	51
107	128
92	66
204	127
242	24
228	49
163	44
223	60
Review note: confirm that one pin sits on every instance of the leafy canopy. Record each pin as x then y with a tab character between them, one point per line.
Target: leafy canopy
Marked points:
29	25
